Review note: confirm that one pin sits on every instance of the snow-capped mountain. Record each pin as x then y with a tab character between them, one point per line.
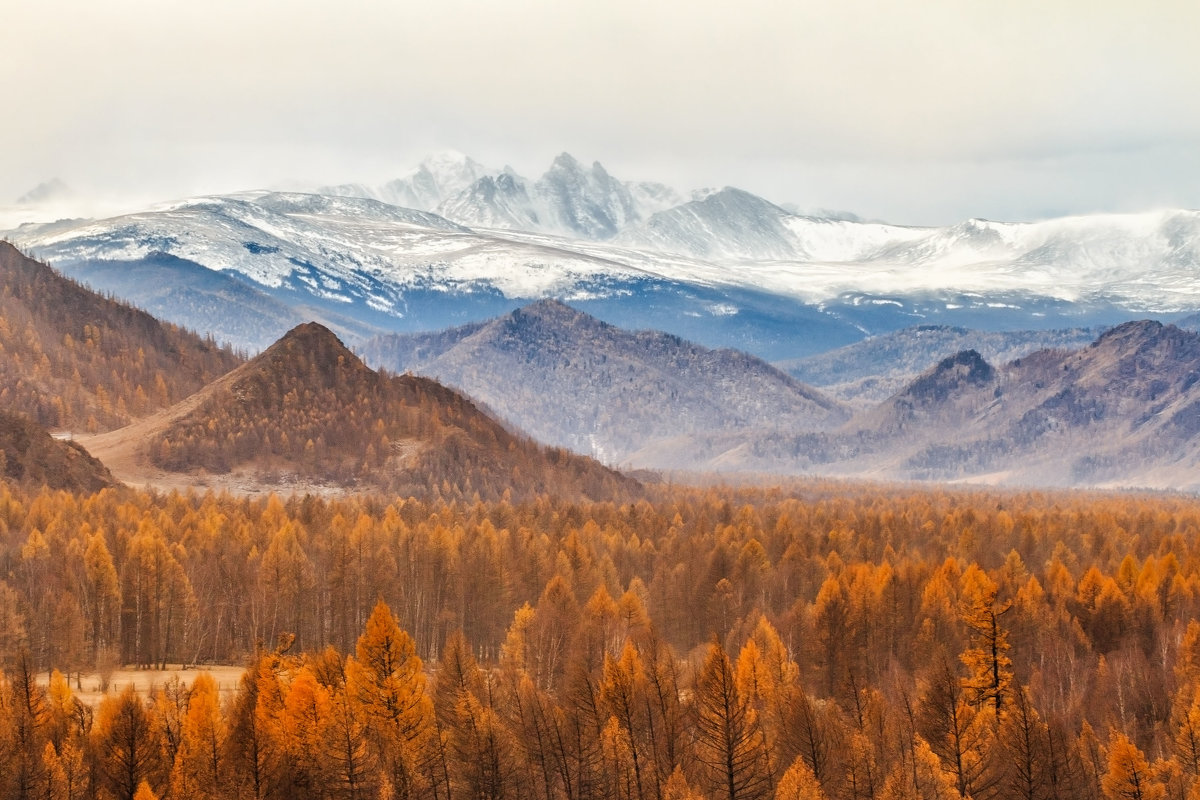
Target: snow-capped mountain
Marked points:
569	199
726	269
502	201
732	224
438	178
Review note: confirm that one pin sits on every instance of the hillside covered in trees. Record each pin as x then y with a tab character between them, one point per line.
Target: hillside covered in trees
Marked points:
830	640
308	407
73	360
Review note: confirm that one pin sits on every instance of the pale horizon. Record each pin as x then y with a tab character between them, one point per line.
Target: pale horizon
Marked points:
915	115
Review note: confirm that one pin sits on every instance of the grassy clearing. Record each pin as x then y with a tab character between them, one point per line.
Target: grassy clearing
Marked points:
144	681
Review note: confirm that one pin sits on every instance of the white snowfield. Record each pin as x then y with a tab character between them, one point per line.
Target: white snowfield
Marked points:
353	248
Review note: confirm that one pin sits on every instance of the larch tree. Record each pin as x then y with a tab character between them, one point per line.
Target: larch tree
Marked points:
625	692
729	740
799	783
1128	776
200	762
986	660
387	679
956	730
125	738
484	753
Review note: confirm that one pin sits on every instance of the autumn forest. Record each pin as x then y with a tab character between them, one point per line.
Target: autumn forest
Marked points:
827	640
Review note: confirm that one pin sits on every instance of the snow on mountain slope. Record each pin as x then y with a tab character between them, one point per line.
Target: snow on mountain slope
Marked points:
436	179
1145	261
502	201
587	202
728	270
341	248
568	199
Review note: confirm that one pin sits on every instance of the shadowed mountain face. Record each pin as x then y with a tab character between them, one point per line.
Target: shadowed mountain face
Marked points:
32	457
308	407
572	380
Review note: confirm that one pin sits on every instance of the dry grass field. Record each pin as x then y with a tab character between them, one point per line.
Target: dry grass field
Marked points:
90	685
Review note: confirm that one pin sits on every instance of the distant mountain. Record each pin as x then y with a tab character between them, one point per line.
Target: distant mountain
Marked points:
435	180
308	413
872	370
51	191
724	269
74	360
568	199
728	223
500	201
569	379
363	267
732	224
1123	411
30	456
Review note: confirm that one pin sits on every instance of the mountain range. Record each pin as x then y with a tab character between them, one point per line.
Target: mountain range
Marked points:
1074	407
870	371
622	320
723	268
569	379
307	415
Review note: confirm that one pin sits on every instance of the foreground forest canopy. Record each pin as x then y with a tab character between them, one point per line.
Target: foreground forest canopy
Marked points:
829	641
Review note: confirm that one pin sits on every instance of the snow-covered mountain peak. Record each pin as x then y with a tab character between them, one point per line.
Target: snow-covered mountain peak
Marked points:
438	178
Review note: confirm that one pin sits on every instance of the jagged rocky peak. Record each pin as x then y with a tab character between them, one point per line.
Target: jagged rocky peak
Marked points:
590	203
499	201
438	178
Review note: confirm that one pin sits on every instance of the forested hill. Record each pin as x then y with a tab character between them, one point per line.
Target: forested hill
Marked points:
31	456
307	406
71	359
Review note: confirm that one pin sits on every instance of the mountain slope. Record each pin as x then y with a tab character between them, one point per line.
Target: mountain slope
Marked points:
872	370
1124	409
32	457
74	360
572	380
308	409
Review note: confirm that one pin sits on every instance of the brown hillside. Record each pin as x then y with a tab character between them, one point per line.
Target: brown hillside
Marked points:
307	408
32	457
73	360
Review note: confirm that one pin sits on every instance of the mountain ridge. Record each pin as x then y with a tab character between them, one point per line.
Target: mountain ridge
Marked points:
308	414
573	380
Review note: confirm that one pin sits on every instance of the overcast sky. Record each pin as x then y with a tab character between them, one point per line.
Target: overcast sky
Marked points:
914	111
